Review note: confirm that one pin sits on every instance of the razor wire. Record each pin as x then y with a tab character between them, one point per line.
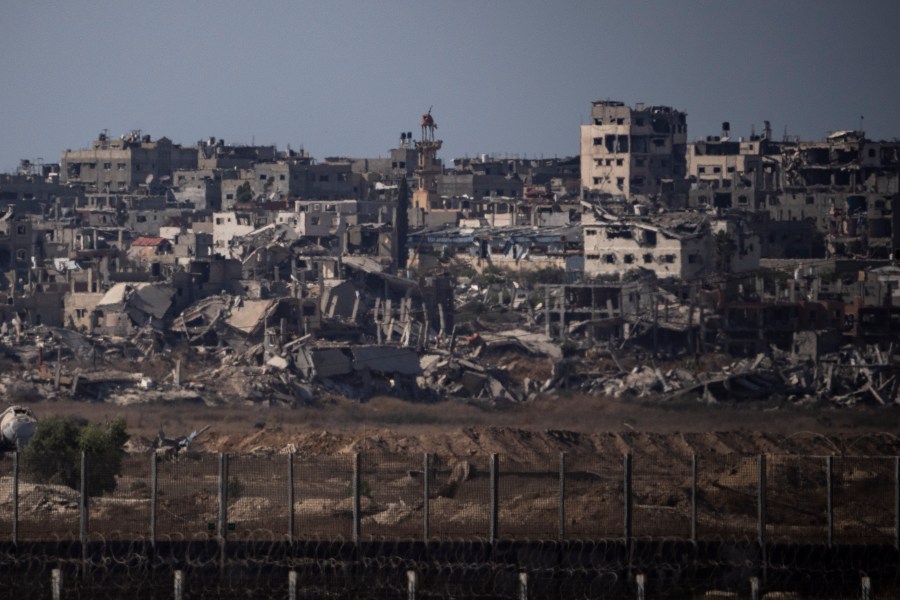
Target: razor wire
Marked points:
363	525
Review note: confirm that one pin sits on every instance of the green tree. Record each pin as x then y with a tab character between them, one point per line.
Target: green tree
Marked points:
244	193
54	453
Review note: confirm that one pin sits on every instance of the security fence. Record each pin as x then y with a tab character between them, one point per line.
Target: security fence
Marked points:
373	525
765	498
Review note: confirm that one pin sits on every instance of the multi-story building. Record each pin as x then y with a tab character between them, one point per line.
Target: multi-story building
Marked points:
35	189
672	246
633	152
122	165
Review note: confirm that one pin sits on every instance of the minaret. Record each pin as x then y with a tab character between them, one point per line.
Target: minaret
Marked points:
428	169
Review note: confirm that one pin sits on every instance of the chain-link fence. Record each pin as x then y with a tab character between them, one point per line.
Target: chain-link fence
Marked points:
372	524
204	497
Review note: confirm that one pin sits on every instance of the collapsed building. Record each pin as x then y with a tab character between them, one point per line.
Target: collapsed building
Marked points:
674	245
287	278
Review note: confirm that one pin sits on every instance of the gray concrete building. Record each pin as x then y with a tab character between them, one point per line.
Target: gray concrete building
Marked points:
634	152
124	164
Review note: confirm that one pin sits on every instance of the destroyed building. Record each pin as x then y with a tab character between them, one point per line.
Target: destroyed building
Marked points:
674	245
633	152
512	248
282	275
124	164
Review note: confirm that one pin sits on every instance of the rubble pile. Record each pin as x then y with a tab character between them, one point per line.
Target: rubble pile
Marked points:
289	321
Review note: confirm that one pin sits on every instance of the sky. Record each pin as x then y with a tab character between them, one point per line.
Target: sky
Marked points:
345	78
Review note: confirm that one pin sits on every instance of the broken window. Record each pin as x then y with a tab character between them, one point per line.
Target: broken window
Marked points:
648	258
639	121
649	238
598	121
592	256
660	125
590	232
596	181
629	259
598	141
323	178
609	141
667	258
620	162
620	181
609	259
620	121
20	230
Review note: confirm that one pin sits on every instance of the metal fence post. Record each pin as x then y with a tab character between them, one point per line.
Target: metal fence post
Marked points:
897	502
754	588
356	497
411	581
761	502
626	484
179	585
495	497
562	496
15	499
866	585
83	511
290	497
694	498
523	585
56	584
223	508
426	492
154	493
829	497
223	496
292	585
641	582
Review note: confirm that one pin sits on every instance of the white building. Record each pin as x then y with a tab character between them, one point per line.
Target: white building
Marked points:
681	246
633	152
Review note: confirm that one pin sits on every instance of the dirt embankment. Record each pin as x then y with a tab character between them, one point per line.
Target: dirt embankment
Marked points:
579	425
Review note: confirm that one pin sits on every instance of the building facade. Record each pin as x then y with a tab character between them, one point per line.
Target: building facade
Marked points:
633	152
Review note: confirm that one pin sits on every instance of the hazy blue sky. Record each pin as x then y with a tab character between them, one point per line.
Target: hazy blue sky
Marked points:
516	76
